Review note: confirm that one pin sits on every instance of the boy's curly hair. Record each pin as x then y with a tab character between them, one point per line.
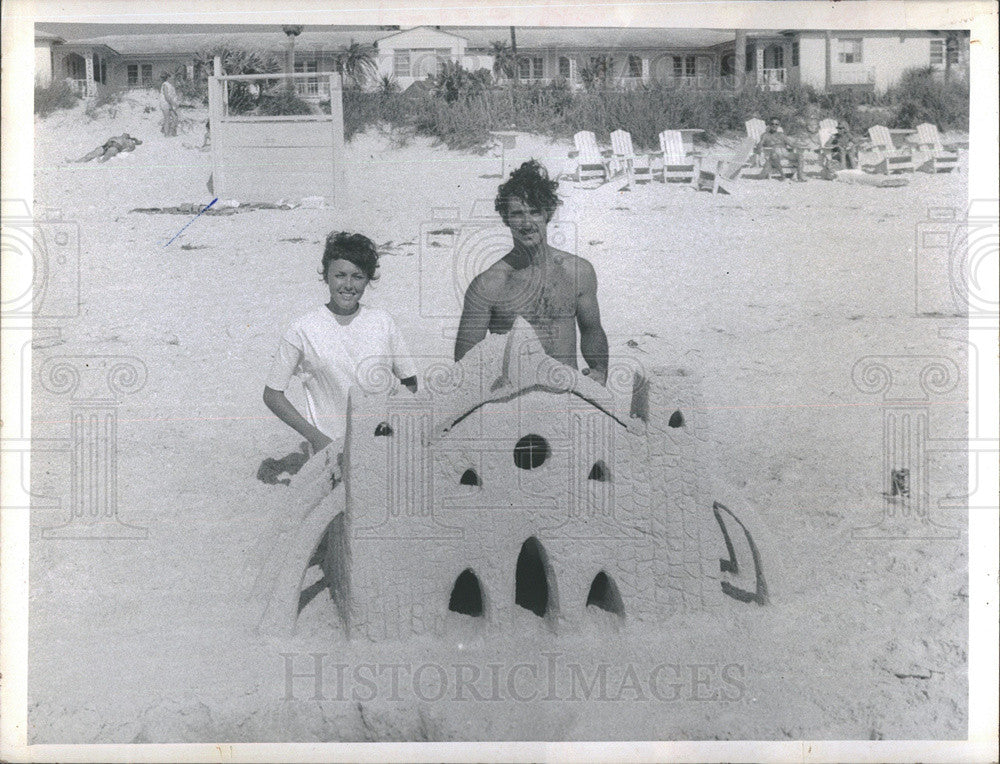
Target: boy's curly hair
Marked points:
530	182
353	247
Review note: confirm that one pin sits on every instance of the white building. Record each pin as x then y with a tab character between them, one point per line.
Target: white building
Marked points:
626	57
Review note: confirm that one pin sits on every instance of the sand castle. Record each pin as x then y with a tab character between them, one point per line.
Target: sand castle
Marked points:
514	481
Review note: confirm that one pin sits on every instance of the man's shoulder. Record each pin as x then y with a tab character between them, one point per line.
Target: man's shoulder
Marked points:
579	266
493	278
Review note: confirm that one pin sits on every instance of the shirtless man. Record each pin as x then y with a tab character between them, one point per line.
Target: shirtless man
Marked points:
111	148
554	291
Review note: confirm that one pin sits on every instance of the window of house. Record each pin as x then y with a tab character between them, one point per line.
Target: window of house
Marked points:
751	58
634	66
849	50
530	68
795	53
401	63
310	85
684	66
937	52
779	57
565	69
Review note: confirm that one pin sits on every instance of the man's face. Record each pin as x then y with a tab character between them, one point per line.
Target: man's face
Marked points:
527	224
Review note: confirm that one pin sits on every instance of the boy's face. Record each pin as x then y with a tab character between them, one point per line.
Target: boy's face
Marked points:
773	126
527	224
347	284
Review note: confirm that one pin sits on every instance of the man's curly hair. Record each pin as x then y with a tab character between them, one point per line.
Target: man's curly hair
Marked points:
530	183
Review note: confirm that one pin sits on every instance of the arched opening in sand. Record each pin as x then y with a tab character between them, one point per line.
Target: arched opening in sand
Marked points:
531	579
600	472
467	595
604	595
470	477
383	429
676	419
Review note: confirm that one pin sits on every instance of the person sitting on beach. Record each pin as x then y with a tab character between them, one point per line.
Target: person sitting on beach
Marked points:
168	105
845	147
554	291
111	147
777	147
327	345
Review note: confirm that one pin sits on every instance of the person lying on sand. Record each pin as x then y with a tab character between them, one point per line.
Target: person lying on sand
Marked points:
776	147
554	291
112	147
326	346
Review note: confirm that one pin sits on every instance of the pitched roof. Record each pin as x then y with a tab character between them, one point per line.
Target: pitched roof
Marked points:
41	34
160	44
582	38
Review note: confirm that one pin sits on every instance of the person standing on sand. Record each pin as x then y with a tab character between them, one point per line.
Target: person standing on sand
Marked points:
326	346
554	291
168	105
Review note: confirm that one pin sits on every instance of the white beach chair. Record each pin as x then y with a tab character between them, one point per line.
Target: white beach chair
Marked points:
638	167
935	157
590	162
678	165
888	159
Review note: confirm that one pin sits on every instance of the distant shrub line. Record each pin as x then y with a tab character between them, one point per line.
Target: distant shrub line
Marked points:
461	108
462	111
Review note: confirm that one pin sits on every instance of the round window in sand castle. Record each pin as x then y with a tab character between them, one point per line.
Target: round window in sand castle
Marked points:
531	451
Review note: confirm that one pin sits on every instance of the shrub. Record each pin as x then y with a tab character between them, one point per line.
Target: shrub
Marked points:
54	96
923	96
455	82
194	91
281	103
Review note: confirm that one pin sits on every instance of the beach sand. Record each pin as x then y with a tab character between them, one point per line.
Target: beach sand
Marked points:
770	296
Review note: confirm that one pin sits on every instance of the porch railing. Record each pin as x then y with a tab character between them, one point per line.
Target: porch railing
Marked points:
773	79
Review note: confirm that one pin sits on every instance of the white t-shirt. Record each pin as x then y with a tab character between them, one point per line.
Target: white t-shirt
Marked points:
330	358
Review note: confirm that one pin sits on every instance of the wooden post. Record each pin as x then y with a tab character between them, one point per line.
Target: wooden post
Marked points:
741	59
337	127
828	60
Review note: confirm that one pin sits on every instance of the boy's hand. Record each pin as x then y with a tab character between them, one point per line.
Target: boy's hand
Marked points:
319	442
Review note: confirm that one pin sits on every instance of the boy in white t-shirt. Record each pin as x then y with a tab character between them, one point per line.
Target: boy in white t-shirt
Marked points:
327	347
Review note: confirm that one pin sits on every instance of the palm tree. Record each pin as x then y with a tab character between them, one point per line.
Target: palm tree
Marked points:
291	32
356	63
503	60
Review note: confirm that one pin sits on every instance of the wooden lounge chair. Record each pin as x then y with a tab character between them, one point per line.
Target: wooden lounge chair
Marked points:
755	129
638	167
888	159
742	158
821	153
678	164
935	156
590	162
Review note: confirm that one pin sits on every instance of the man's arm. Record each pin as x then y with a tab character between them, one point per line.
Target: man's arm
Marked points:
475	321
593	340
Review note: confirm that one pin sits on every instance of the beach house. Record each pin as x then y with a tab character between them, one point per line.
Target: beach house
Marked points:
580	57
